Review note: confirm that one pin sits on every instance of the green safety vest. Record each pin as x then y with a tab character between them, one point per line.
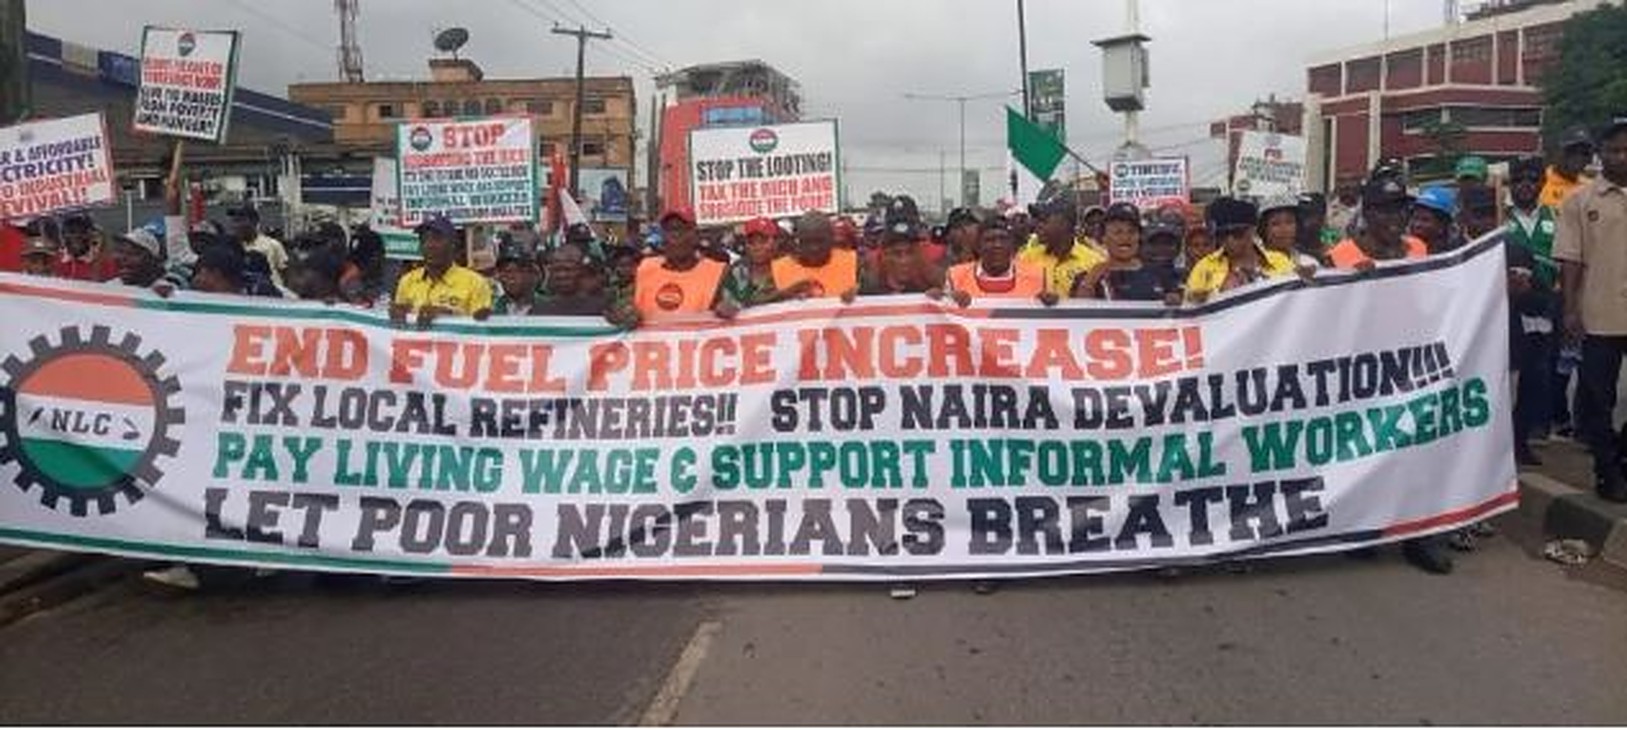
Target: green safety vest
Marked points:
1539	241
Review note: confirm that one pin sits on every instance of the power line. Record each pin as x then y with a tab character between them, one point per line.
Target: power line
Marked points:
621	36
560	18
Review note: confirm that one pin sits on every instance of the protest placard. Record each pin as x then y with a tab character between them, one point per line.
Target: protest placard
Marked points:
399	243
1269	165
740	173
471	171
188	78
54	165
1150	183
893	437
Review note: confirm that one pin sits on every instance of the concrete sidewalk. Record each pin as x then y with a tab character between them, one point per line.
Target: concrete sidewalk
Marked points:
1560	494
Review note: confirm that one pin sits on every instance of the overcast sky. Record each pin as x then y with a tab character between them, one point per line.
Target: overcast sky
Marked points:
855	58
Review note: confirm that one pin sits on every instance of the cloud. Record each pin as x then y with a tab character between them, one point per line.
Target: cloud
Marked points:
855	58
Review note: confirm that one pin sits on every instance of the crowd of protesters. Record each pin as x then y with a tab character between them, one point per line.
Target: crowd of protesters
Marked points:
1566	244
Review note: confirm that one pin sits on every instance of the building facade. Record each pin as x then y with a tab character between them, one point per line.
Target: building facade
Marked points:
1465	88
738	93
365	114
70	79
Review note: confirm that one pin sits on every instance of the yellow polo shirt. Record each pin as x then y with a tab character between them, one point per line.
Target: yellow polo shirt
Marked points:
459	289
1210	272
1060	273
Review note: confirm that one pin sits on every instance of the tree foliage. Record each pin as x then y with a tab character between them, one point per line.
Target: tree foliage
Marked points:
1588	84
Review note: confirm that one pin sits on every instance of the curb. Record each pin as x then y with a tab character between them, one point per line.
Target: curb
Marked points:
1568	512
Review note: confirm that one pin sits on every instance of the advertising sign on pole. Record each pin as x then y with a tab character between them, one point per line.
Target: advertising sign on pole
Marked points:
1269	165
1150	183
471	171
187	81
740	173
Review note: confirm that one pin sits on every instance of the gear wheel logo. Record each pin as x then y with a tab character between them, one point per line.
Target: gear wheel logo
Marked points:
86	421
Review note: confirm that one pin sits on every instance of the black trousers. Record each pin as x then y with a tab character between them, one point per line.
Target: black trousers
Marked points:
1596	400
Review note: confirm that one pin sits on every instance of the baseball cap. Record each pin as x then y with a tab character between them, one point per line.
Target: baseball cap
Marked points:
960	217
580	232
1616	124
1164	227
1576	137
761	227
1228	213
1278	202
228	260
148	237
1527	166
1472	167
683	214
515	249
903	208
1124	213
437	224
1383	192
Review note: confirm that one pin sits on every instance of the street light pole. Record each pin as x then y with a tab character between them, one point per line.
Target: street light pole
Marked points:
1022	57
960	100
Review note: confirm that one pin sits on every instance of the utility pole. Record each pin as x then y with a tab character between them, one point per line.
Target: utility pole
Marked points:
940	180
961	102
14	87
1022	58
582	35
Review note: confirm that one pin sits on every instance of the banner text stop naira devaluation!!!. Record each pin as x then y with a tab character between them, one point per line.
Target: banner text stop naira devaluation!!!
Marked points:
902	438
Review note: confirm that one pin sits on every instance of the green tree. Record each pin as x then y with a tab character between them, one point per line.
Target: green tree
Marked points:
1450	140
1588	84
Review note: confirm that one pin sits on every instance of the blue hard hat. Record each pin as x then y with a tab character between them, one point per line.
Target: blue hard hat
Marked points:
1442	200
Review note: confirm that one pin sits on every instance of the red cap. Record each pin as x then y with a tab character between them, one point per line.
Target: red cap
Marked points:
761	227
684	214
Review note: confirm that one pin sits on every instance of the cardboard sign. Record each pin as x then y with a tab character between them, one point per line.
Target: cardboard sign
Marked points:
741	173
187	81
1269	165
471	171
55	165
1150	183
399	243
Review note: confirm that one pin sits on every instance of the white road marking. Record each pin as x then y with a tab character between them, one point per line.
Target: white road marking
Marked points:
664	707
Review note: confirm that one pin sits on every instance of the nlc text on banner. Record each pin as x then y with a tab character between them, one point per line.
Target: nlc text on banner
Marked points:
188	78
474	171
892	437
740	173
54	165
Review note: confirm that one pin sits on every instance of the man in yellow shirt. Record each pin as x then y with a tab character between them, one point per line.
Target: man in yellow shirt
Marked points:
1565	176
1240	259
1057	246
440	287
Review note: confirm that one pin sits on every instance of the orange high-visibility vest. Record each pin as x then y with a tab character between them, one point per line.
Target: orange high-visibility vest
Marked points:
659	291
1027	284
836	277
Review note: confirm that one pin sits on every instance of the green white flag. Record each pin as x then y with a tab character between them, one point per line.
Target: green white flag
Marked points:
1032	146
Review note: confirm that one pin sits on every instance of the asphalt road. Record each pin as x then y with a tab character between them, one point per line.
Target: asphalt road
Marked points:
1509	638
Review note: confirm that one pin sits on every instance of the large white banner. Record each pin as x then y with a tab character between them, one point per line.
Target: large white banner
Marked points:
1269	165
779	171
892	437
187	81
471	171
55	165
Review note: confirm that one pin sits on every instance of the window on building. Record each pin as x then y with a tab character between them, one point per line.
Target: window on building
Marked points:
592	147
449	107
1484	117
1362	75
1543	41
540	107
494	106
388	111
593	106
432	108
1473	50
546	149
471	107
1419	119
